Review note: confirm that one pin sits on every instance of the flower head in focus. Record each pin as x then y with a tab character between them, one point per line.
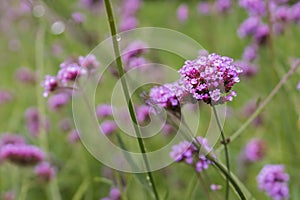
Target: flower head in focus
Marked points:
210	78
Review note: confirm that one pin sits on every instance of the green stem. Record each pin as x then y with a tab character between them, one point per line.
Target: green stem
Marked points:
224	171
113	30
226	152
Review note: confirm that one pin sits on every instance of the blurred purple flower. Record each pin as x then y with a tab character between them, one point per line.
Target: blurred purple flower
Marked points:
249	27
8	138
114	194
34	121
202	164
248	68
5	97
128	23
204	8
10	195
261	35
45	172
89	62
222	6
23	155
78	17
254	7
255	150
104	110
65	124
295	13
142	113
73	136
215	187
274	181
25	75
298	86
182	12
108	127
167	129
250	53
57	101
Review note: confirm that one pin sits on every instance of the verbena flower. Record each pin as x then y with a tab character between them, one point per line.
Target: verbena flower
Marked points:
45	172
5	96
182	13
104	110
250	53
274	181
254	7
114	194
204	8
222	6
190	153
8	138
249	26
50	84
249	69
89	62
108	127
210	78
34	121
57	101
78	17
23	155
73	136
255	150
167	96
25	75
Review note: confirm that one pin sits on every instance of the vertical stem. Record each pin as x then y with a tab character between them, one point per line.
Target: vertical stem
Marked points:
39	62
226	152
113	30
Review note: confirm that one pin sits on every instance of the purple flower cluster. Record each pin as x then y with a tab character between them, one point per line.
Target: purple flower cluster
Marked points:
73	136
215	7
114	194
25	75
44	171
167	96
23	155
34	121
108	127
274	181
255	150
281	15
128	13
131	55
5	97
210	78
56	101
8	138
182	12
69	71
190	154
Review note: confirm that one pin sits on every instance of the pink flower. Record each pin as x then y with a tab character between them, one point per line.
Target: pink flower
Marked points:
182	13
23	155
45	171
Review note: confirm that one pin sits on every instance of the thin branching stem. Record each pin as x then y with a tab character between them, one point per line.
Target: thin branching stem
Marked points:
225	143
